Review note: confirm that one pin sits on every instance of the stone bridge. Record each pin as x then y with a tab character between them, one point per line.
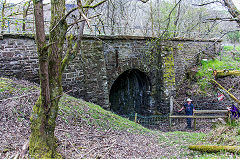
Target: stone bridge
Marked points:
121	73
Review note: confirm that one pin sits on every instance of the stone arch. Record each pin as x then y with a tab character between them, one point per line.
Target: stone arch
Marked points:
130	93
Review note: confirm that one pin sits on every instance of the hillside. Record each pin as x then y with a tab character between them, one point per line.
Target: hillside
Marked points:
86	130
198	87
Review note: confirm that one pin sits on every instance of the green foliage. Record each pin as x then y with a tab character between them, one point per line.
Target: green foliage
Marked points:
185	137
238	48
181	140
5	84
206	69
234	37
228	48
162	20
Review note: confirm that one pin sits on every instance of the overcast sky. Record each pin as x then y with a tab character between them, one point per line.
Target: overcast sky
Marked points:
237	3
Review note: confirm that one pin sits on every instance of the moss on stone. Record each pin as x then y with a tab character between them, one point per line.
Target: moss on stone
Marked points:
169	74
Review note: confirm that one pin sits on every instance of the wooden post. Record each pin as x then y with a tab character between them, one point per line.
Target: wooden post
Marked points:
229	117
171	112
135	118
195	122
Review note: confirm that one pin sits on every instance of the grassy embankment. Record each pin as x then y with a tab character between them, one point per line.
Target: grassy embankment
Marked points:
225	61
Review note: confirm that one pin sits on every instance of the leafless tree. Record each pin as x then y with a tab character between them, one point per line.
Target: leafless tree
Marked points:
4	3
52	63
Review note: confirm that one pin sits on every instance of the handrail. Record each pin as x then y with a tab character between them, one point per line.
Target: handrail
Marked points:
195	117
209	111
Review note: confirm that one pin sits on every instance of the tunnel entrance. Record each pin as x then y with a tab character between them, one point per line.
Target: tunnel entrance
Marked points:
130	93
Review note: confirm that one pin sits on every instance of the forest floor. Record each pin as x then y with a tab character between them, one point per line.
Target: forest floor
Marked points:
85	130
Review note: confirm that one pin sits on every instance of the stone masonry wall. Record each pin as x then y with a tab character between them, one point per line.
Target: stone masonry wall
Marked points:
18	57
86	75
188	54
102	59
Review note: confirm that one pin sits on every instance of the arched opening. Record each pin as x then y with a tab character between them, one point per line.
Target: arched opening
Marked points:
130	93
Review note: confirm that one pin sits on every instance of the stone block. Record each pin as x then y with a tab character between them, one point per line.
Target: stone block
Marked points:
7	54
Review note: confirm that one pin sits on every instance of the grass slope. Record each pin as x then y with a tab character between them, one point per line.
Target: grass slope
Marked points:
71	108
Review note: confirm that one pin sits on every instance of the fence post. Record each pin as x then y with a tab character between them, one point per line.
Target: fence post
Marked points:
195	121
135	118
171	111
229	117
8	26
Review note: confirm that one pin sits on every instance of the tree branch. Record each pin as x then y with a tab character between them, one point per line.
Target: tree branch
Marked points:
231	95
169	19
46	47
222	19
214	148
85	17
63	18
144	1
232	9
94	6
83	20
204	4
70	54
72	51
203	51
74	9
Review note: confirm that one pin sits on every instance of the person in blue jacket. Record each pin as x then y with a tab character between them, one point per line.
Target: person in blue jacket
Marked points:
189	107
235	113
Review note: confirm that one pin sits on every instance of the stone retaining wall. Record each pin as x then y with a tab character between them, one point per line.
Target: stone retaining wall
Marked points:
91	74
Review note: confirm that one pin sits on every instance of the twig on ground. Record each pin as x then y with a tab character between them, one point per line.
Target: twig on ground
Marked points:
73	147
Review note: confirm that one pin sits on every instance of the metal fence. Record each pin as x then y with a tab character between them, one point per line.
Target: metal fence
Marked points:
14	25
152	121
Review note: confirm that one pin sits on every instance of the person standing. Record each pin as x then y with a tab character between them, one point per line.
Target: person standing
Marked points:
189	107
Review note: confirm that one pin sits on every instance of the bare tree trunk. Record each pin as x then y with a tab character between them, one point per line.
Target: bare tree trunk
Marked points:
3	15
25	14
151	17
42	143
232	9
43	119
